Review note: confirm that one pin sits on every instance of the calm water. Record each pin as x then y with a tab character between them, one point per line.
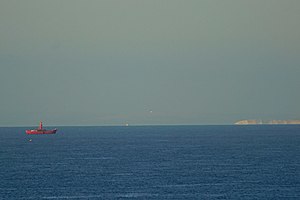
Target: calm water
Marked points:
155	162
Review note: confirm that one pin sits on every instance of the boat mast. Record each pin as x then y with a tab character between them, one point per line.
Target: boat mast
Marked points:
41	126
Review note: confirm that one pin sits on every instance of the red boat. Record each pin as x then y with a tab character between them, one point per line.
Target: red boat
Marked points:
40	130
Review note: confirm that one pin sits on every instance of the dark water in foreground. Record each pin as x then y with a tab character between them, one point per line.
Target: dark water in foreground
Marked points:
158	162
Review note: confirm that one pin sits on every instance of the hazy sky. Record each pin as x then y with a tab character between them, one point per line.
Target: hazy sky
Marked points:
70	62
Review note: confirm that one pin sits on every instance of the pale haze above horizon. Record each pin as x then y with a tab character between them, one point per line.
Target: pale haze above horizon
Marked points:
143	62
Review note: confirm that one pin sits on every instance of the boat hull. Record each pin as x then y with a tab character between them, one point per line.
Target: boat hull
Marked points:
41	131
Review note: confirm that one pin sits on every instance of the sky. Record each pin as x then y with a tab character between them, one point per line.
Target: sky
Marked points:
141	62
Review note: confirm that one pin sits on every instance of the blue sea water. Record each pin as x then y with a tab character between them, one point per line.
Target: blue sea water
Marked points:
152	162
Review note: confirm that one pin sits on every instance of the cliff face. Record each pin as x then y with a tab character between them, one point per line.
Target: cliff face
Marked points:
249	121
284	122
252	121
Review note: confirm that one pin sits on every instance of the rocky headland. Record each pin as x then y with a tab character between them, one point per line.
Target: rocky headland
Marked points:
253	121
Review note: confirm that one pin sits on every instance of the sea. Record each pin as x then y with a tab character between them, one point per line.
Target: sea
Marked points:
152	162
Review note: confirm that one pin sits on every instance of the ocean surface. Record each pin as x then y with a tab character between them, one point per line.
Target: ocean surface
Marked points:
152	162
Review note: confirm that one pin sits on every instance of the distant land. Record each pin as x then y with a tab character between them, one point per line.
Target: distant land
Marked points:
253	121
